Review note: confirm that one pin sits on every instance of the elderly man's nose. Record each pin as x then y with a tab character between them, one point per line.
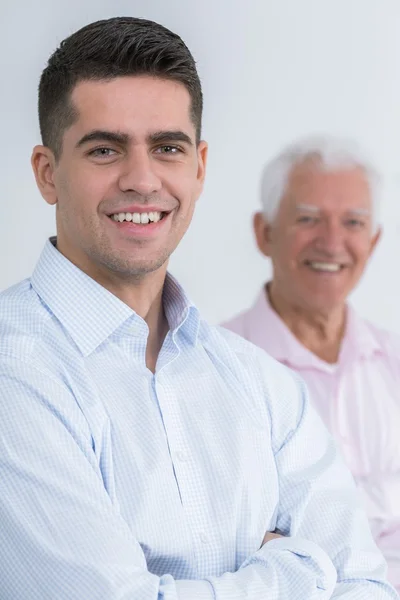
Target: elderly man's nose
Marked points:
330	238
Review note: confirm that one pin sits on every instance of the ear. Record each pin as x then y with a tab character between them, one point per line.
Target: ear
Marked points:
43	165
202	154
262	230
375	240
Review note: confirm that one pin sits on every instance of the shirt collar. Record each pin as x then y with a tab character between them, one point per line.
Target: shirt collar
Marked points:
267	330
182	315
359	338
90	313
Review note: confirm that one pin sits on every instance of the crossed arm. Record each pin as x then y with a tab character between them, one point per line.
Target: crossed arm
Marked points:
62	534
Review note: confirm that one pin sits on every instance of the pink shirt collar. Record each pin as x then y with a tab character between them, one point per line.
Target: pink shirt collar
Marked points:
266	329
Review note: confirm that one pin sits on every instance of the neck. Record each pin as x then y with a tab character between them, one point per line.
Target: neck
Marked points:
145	297
143	294
319	331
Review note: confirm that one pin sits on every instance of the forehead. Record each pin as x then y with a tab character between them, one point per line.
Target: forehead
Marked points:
337	189
135	105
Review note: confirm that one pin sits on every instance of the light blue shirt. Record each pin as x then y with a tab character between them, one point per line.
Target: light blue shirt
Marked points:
120	484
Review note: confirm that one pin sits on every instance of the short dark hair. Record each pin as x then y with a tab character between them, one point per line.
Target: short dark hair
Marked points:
117	47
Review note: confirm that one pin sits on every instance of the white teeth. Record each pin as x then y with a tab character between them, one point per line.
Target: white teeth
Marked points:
143	218
322	266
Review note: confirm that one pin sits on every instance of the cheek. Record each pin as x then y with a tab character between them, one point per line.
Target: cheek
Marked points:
293	245
360	253
81	193
180	181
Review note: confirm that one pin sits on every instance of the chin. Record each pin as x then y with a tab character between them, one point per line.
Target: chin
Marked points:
140	269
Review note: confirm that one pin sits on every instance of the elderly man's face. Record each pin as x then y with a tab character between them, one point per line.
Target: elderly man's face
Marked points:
322	236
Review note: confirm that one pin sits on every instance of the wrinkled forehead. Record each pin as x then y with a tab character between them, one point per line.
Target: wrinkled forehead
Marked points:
340	189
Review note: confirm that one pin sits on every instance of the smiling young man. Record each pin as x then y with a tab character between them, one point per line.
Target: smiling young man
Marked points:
125	179
143	453
319	226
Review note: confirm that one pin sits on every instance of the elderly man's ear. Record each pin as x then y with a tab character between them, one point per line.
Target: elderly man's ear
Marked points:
375	240
262	230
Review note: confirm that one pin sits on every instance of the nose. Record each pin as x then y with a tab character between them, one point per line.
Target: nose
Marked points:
138	174
330	238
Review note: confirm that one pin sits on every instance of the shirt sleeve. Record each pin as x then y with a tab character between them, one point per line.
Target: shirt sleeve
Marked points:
318	498
388	542
385	524
62	536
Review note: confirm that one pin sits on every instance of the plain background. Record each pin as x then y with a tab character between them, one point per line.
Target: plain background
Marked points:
272	70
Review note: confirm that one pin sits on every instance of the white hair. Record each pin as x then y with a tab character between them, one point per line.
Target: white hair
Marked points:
331	154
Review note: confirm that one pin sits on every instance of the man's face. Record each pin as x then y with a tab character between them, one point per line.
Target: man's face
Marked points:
322	237
128	176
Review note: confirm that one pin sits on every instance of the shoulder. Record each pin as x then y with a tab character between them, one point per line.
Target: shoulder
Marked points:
387	340
255	370
24	323
35	360
228	343
267	384
237	323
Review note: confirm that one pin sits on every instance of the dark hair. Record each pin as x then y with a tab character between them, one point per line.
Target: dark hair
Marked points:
116	47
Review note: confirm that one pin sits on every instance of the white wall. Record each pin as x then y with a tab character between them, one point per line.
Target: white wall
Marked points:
271	70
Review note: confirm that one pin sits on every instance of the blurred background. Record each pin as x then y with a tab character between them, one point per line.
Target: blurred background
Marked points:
272	70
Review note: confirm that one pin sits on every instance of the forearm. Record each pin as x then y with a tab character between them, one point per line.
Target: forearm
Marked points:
389	544
318	493
62	534
289	568
367	590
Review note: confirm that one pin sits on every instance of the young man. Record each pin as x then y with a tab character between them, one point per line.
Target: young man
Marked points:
320	226
145	454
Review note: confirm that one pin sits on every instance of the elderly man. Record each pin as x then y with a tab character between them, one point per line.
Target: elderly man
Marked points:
319	227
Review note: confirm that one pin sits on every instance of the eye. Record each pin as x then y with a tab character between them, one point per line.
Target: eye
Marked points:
169	149
354	223
306	220
102	152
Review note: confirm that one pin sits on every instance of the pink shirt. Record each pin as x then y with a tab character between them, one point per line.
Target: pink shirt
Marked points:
358	398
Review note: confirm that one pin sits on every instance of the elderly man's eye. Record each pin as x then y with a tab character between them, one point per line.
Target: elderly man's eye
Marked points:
306	219
355	223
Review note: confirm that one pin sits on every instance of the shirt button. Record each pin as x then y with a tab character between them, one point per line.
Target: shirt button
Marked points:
204	538
182	456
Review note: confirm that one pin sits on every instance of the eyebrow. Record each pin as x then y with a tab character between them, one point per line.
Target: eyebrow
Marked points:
99	135
310	208
361	211
122	139
162	137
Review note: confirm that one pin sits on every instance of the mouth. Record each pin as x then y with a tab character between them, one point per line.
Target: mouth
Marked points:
142	218
325	267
